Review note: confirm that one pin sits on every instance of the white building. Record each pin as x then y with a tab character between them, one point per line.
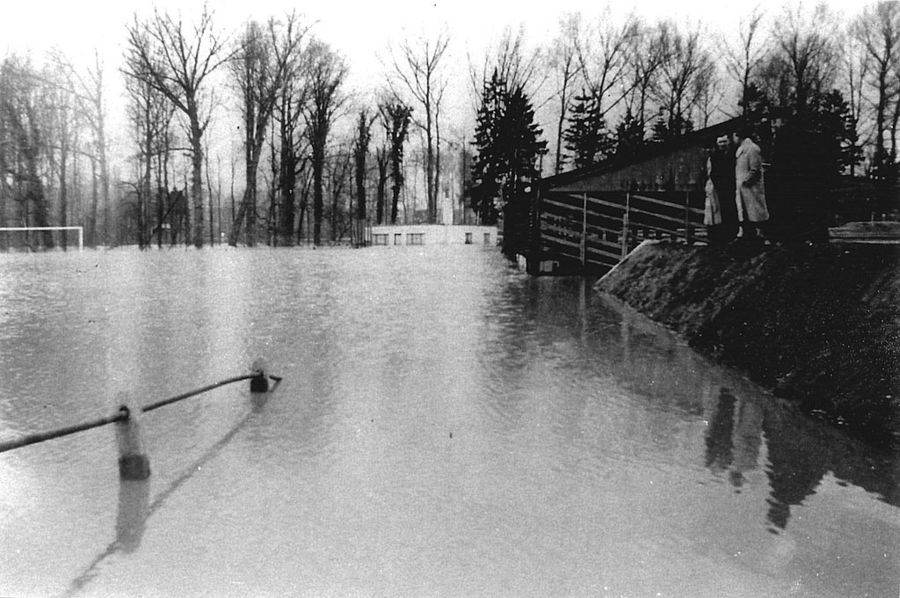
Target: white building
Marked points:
433	234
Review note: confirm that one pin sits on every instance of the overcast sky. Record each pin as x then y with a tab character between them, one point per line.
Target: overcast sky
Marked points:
359	30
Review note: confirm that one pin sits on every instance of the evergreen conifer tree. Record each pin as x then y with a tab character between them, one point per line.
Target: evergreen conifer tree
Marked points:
507	144
629	137
666	129
587	138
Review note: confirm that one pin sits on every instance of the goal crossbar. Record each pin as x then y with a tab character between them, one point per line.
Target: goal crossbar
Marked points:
80	230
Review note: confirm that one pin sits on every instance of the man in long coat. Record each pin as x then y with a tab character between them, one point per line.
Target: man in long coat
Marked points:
750	193
721	217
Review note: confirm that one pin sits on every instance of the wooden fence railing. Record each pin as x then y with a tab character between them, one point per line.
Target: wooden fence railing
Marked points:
592	232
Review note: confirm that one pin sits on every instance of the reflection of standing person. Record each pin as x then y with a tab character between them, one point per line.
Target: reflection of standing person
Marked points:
750	194
719	447
747	439
720	216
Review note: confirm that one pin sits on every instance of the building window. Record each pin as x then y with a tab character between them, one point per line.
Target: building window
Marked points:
415	238
487	238
397	238
379	239
468	238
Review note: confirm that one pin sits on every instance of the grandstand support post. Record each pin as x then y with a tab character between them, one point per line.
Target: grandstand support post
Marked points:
533	260
583	230
687	217
625	224
133	461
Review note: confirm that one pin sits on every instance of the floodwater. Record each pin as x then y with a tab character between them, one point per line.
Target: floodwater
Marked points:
446	426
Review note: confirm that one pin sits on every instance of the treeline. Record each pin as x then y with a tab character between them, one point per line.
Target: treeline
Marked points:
317	162
54	168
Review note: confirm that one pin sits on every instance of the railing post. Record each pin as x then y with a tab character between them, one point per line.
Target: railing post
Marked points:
133	461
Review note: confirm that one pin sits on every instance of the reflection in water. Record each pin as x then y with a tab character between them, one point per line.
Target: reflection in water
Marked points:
719	441
796	467
797	462
799	452
734	436
747	439
131	519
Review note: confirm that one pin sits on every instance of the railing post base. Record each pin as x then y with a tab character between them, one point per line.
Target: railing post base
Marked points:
260	380
134	467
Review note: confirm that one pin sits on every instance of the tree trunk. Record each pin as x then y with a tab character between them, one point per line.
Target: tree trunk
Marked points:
212	220
63	192
160	211
104	184
560	124
318	165
395	190
429	168
302	219
288	184
437	164
36	195
380	193
145	191
197	181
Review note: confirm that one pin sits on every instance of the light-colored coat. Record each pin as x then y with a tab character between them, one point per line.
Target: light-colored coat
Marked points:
712	209
750	194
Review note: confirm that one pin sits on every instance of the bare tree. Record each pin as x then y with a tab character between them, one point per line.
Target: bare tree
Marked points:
603	55
744	58
564	63
807	54
266	59
877	30
151	114
360	153
339	166
418	69
382	159
708	96
24	142
646	53
61	133
88	90
512	63
855	68
327	72
177	61
395	117
685	75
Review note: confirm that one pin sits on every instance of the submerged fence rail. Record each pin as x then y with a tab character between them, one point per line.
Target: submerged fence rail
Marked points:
130	443
37	437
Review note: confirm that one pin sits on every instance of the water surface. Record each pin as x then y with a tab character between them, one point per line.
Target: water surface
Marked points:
447	426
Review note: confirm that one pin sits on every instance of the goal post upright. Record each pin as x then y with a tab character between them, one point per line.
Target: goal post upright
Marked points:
80	230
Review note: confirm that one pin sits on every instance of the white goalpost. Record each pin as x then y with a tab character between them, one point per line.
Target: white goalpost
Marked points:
79	229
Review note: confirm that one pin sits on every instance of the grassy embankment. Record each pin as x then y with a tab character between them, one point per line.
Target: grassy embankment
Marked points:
816	324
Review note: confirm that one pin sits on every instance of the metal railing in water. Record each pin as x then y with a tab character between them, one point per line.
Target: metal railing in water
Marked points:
133	461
